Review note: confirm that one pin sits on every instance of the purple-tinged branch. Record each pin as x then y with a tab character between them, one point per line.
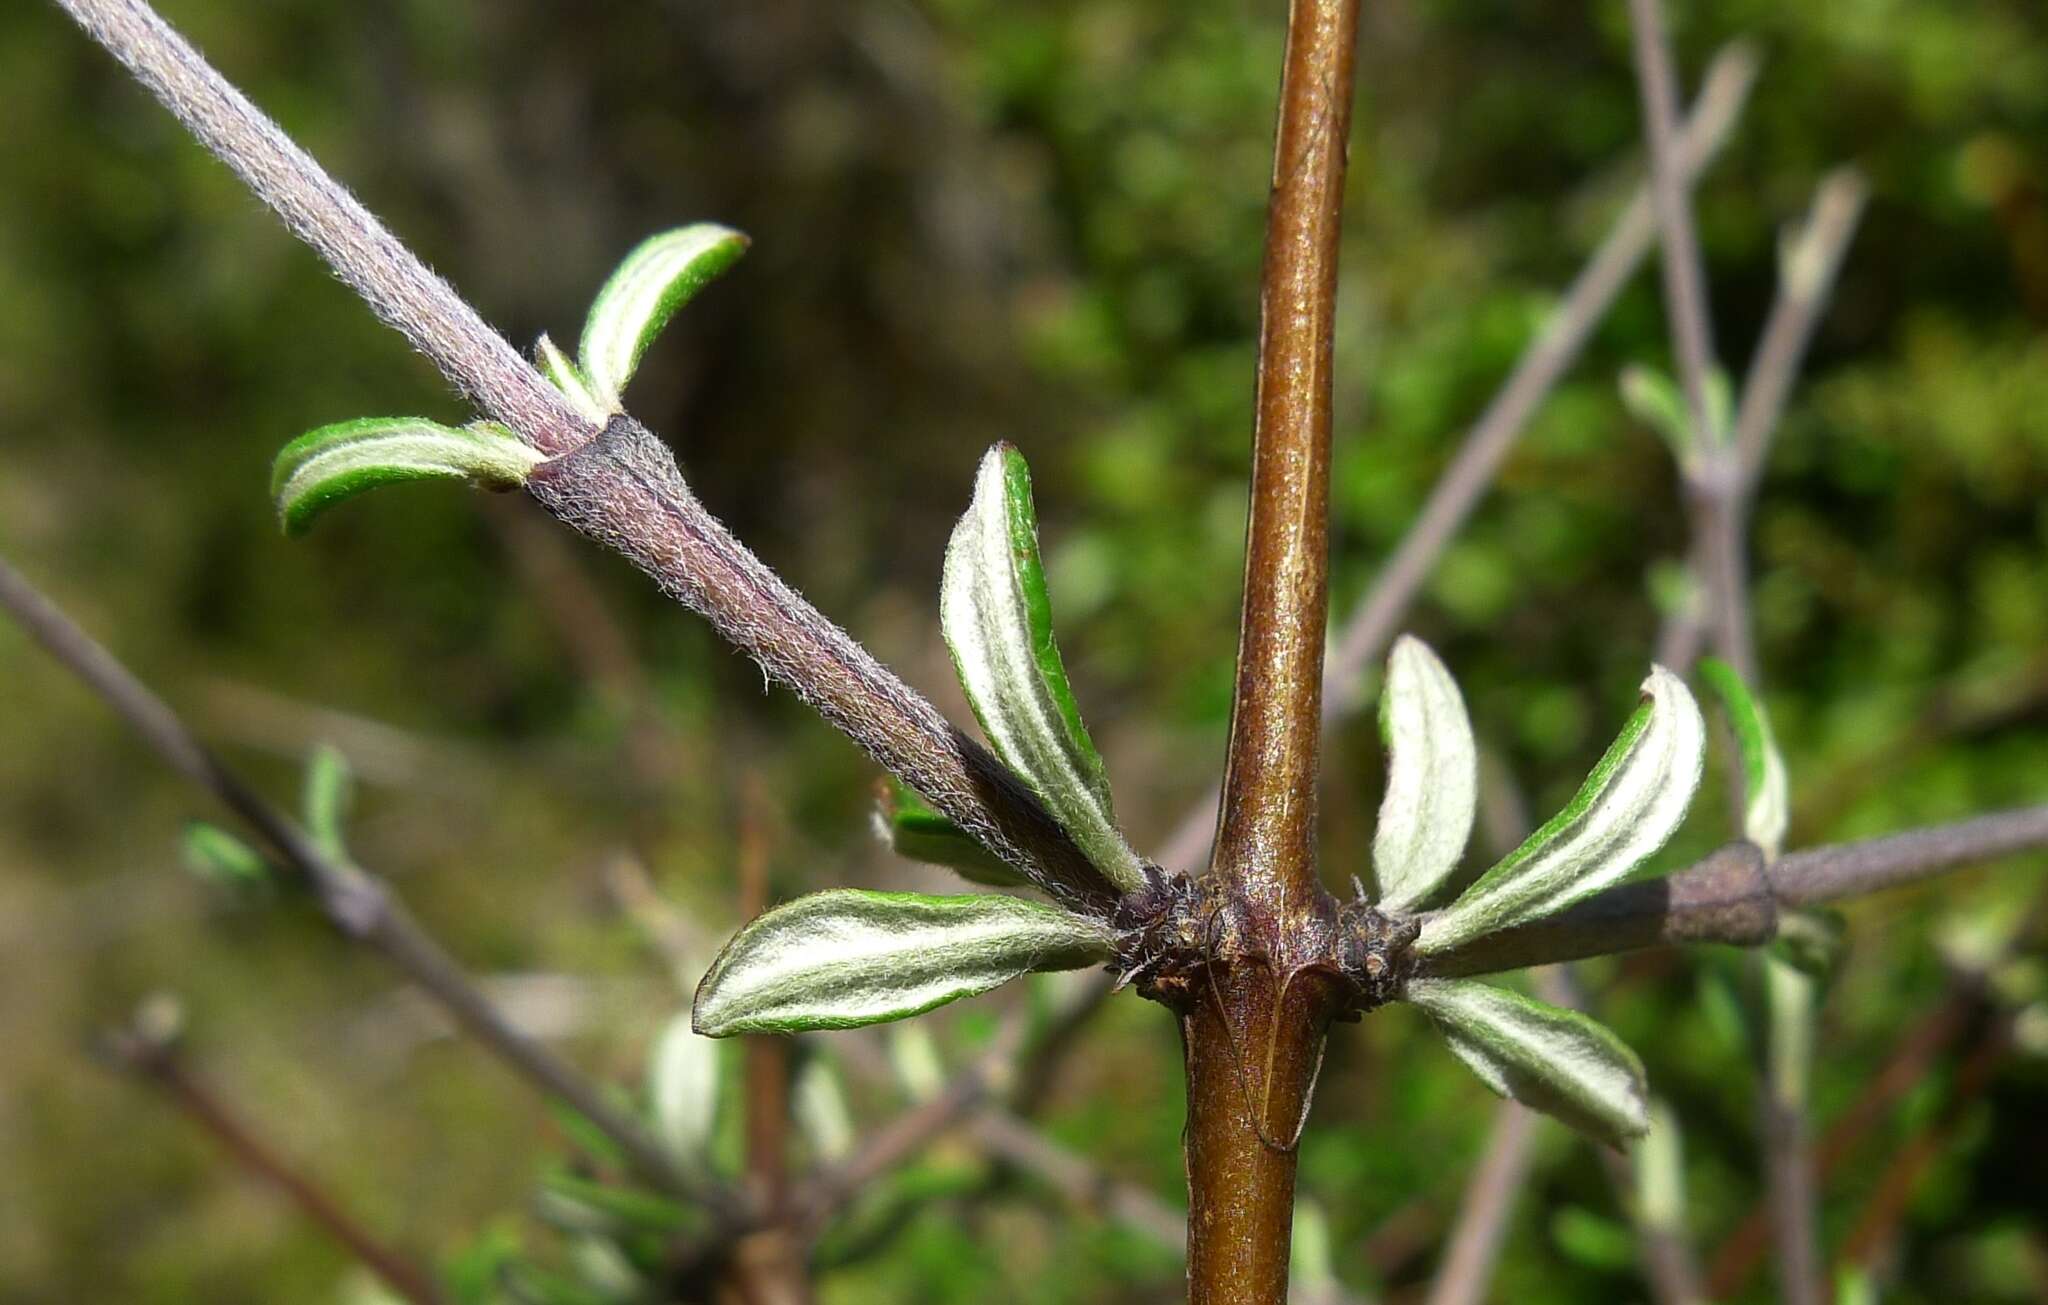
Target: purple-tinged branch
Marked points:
624	490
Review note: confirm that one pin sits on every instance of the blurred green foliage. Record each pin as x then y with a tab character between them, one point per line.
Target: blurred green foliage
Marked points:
973	221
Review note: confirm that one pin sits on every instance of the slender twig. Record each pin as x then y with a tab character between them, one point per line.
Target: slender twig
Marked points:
361	906
1482	1221
1891	1197
1017	1143
905	1136
1911	1058
619	486
153	1057
1812	257
774	1272
1373	623
1685	285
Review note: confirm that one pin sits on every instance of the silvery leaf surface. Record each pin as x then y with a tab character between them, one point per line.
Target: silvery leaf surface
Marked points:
848	957
1627	808
1432	777
663	273
997	620
1549	1059
325	466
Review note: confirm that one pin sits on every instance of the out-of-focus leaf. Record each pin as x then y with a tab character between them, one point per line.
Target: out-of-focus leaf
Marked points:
682	1088
1766	800
326	800
220	858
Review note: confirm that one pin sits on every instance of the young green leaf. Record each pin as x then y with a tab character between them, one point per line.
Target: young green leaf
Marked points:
997	620
1659	1157
1632	802
662	274
917	831
1655	400
219	857
1766	806
327	796
846	957
1790	999
1810	940
682	1089
570	380
1432	777
1549	1059
325	466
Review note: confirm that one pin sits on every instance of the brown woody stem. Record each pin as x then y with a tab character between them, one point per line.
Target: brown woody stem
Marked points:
1253	1035
157	1061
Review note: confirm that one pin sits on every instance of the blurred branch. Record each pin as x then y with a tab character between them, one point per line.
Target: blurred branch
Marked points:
1473	1248
1809	263
1372	625
620	486
1876	1228
148	1049
361	906
1719	474
1017	1143
1908	1065
1685	286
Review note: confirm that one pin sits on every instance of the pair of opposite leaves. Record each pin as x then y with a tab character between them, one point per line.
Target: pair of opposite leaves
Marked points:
848	957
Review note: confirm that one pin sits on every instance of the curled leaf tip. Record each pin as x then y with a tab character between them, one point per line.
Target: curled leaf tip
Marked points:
659	276
334	463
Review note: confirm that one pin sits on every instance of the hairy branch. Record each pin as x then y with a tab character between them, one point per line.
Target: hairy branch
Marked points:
620	486
1728	897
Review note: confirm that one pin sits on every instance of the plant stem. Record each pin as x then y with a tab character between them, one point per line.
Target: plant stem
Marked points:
156	1060
1726	898
1266	839
1685	288
1375	618
359	904
1253	1038
619	486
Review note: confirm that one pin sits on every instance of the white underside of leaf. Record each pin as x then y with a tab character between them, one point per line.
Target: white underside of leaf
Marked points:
1549	1059
622	318
1635	809
1432	777
843	958
983	613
